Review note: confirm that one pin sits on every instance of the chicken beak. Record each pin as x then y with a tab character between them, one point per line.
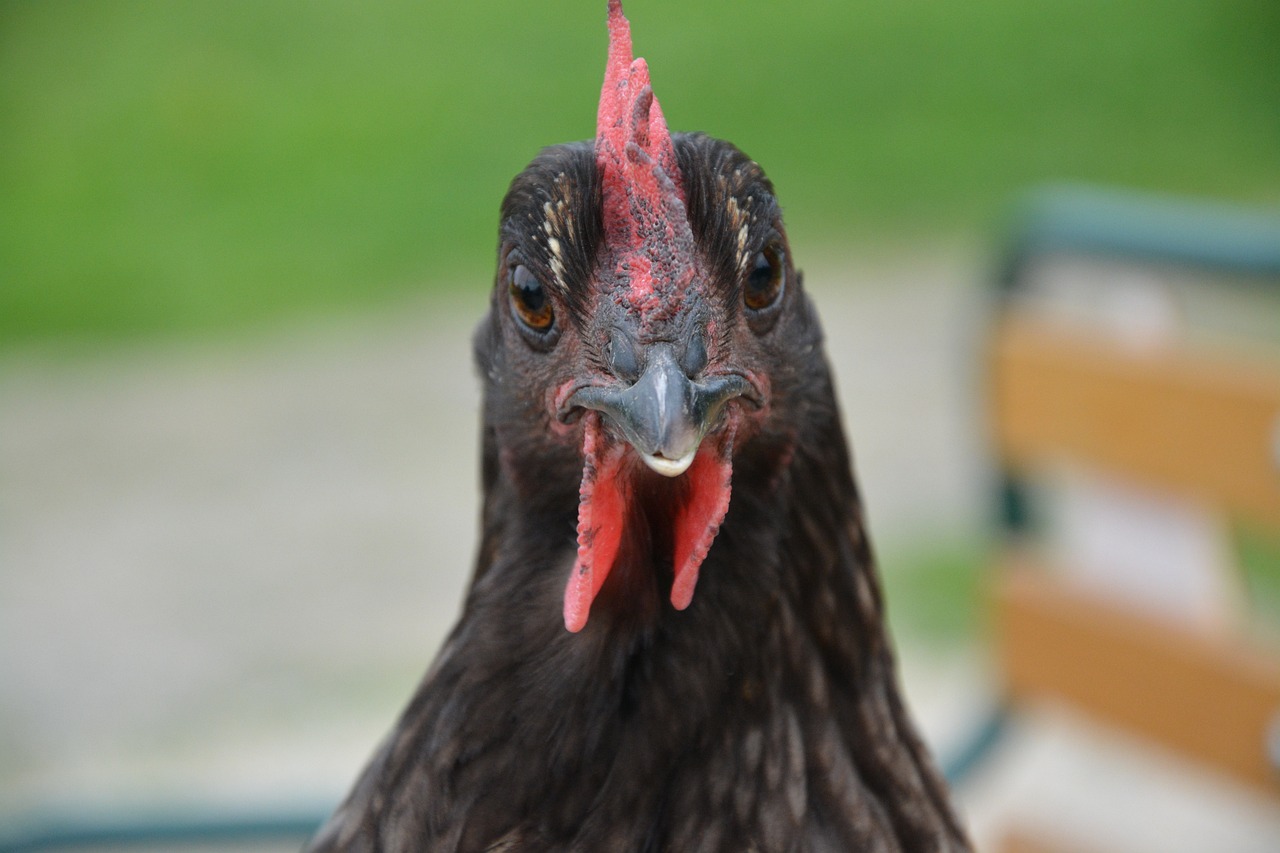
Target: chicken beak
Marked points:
665	414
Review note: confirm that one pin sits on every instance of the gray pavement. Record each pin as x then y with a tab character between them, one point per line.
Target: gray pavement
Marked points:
223	566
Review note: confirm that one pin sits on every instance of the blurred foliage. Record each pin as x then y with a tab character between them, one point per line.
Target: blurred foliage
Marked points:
934	590
171	167
1258	550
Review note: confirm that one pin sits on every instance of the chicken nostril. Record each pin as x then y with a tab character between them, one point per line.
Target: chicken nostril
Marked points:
620	354
694	358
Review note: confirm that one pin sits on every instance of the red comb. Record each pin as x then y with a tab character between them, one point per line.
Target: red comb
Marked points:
644	212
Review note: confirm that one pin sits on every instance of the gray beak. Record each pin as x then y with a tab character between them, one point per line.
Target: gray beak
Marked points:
665	414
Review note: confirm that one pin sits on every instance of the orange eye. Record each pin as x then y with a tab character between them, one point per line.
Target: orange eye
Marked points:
529	301
765	281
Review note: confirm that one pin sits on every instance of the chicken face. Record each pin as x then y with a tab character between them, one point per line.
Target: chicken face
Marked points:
644	290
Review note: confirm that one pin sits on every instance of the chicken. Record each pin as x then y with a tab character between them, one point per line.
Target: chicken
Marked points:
674	636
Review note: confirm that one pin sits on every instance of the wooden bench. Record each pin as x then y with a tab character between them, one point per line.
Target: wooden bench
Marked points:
1197	422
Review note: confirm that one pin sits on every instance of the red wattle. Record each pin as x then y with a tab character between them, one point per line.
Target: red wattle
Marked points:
698	521
601	505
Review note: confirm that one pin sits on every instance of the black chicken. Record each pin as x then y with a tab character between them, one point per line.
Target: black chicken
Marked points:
648	339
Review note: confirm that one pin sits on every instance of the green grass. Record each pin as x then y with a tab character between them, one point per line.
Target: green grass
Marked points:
168	168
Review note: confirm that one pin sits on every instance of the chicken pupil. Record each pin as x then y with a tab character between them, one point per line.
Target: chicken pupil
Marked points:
531	299
763	281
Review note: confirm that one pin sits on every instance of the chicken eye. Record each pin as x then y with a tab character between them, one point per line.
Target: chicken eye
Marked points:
765	281
531	303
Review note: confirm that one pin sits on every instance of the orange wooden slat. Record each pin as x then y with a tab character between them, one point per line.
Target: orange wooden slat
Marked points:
1198	424
1208	696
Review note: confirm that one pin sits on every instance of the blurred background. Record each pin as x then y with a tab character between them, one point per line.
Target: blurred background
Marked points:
243	247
